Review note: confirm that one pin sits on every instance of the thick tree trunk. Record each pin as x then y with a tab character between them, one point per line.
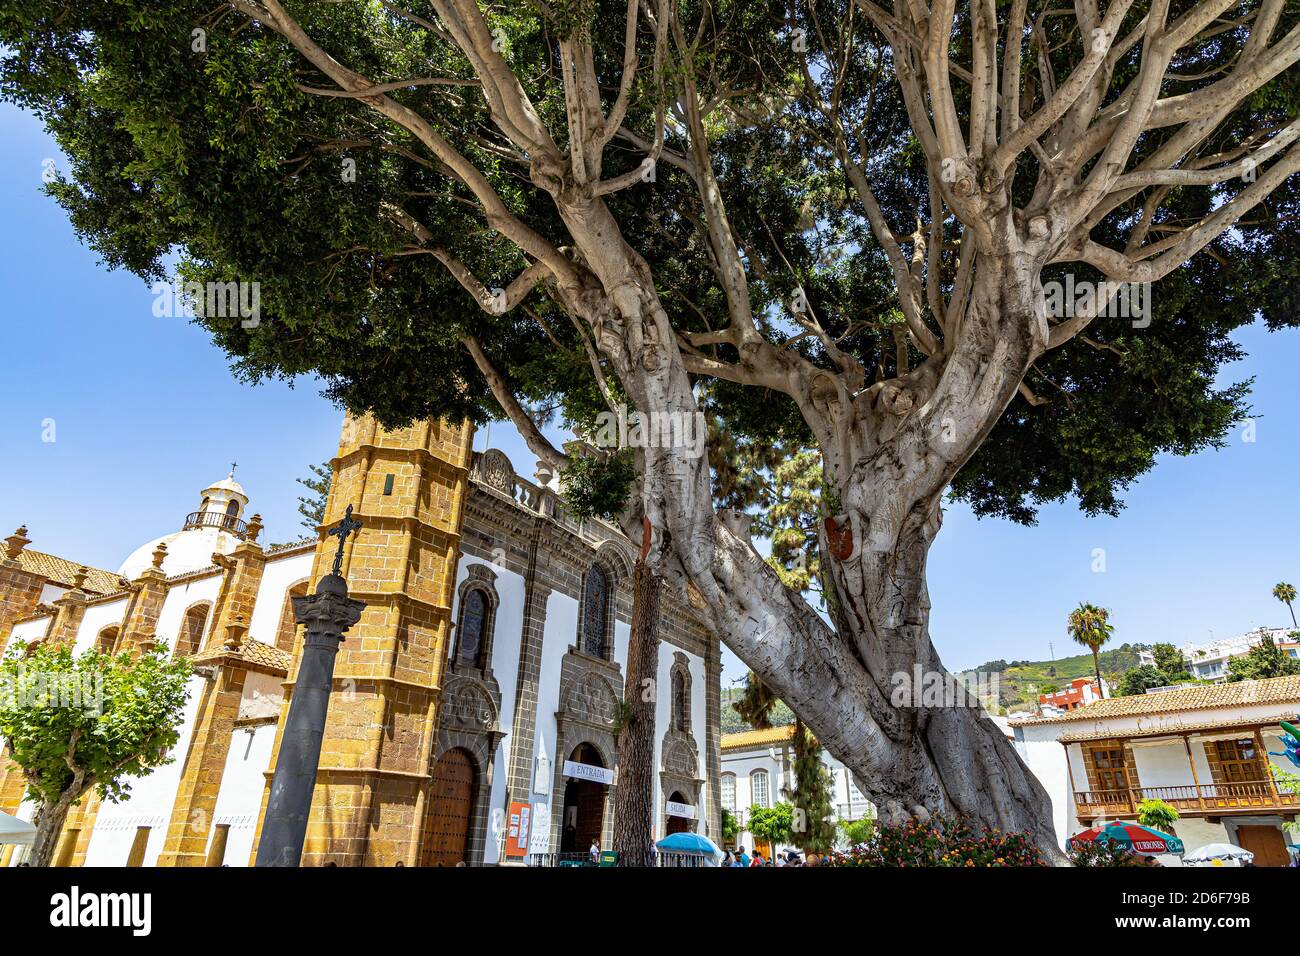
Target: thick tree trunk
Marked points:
49	820
634	797
1096	667
890	453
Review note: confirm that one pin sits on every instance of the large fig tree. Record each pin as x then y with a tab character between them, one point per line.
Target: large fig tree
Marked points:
837	224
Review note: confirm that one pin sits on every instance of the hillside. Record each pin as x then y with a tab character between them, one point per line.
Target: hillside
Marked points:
1022	681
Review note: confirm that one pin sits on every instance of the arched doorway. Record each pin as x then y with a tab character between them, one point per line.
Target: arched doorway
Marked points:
676	824
584	806
451	806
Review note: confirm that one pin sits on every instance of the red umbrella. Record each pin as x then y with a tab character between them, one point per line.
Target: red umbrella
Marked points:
1132	836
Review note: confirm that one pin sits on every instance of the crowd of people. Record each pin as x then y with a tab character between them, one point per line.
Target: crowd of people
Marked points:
741	857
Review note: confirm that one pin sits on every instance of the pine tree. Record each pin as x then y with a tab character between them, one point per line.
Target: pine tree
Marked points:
312	508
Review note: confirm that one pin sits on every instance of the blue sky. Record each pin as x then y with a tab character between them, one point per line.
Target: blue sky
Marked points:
146	413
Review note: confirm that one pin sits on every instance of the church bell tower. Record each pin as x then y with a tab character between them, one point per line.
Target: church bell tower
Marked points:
408	489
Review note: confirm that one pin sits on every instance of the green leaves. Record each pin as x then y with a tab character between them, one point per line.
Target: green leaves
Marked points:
92	720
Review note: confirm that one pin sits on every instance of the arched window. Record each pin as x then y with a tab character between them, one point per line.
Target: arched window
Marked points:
106	640
475	628
190	639
729	791
681	701
287	630
760	795
232	512
595	611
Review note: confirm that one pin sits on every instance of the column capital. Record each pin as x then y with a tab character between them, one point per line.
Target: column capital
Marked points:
329	609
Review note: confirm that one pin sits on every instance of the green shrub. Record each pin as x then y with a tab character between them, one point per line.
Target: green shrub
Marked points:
941	842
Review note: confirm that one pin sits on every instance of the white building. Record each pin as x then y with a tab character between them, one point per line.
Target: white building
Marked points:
1203	749
1209	661
758	770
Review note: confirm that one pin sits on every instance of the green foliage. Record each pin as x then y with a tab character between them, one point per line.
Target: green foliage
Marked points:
855	832
774	824
730	826
1020	682
1139	679
1157	815
756	703
219	156
1262	661
312	508
1287	782
814	830
941	843
732	722
598	485
1172	663
129	718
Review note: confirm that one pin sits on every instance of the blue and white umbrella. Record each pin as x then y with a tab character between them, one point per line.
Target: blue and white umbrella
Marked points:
689	843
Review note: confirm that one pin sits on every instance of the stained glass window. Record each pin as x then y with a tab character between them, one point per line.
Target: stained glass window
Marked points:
595	611
680	714
473	617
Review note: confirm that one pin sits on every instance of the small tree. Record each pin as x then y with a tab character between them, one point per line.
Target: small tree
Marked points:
1157	815
730	827
74	723
774	824
312	507
1171	661
1262	661
814	830
857	832
1140	679
1090	626
1286	594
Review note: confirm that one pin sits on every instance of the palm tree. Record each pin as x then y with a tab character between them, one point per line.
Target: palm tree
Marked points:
1090	626
1286	594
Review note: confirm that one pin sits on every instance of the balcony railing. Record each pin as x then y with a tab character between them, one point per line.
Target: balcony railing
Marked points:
215	519
1207	798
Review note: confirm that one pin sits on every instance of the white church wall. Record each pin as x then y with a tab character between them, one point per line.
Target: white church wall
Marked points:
561	626
242	785
180	598
28	631
98	617
150	803
507	632
279	575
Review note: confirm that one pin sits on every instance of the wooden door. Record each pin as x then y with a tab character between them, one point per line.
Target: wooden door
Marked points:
451	804
1266	843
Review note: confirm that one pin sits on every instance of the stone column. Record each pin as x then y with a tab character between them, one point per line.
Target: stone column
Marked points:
327	614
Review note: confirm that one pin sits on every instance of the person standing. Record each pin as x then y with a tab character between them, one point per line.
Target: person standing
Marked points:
594	852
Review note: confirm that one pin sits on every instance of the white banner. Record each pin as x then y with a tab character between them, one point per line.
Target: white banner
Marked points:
680	810
585	771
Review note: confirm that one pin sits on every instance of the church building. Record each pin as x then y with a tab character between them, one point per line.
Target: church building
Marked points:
474	712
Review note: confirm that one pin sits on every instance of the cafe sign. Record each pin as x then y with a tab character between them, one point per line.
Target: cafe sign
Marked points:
585	771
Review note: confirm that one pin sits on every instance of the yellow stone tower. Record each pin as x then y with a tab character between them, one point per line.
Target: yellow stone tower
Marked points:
408	488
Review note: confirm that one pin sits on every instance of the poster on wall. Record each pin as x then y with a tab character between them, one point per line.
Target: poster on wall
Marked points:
539	840
517	831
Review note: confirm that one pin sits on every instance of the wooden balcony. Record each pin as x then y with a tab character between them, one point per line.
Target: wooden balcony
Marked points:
1207	800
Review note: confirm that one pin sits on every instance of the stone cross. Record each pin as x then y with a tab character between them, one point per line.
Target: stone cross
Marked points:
343	529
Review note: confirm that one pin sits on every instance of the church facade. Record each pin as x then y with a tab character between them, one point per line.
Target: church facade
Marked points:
475	704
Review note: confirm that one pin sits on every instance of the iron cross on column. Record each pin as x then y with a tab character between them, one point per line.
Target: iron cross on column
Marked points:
343	529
